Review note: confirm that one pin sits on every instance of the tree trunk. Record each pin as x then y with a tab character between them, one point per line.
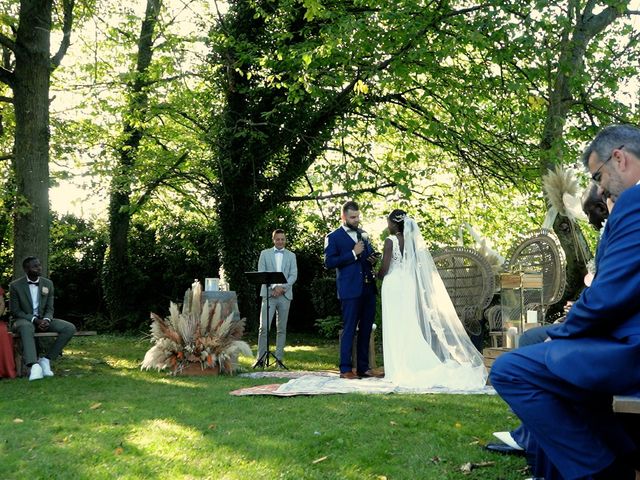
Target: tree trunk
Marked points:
31	148
570	69
117	277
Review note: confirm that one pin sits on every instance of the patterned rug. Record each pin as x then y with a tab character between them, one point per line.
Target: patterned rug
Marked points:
328	383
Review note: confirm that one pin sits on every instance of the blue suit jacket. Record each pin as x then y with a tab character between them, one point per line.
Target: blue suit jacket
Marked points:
598	345
351	272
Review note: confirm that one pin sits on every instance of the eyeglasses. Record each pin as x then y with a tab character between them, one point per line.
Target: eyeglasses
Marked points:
597	175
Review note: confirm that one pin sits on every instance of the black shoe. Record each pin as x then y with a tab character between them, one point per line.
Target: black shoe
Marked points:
504	448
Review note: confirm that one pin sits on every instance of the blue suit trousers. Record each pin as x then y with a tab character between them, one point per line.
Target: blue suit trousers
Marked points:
589	438
358	313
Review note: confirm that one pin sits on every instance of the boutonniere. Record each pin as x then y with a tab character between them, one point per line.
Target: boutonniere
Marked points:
364	236
45	291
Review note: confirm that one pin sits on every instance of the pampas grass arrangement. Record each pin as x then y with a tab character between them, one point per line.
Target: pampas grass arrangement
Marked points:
197	335
563	192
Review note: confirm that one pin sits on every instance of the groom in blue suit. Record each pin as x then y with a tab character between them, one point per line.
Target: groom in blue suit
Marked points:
350	253
562	389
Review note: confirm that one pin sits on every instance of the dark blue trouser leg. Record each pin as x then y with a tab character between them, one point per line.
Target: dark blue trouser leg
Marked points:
367	315
350	308
575	428
357	312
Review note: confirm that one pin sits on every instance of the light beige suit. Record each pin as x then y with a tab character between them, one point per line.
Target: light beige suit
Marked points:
280	304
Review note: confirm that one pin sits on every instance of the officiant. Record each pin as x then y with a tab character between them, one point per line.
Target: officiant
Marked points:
276	259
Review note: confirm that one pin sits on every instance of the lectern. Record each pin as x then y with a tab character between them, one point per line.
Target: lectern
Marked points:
266	279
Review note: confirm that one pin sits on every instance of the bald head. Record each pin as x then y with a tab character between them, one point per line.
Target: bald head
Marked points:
594	206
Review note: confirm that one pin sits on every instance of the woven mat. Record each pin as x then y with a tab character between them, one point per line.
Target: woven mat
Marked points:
289	374
328	383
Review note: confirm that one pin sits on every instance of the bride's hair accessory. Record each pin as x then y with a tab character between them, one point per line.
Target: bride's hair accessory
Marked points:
398	215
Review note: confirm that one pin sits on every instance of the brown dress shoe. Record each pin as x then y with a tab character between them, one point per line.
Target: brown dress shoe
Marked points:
349	375
370	374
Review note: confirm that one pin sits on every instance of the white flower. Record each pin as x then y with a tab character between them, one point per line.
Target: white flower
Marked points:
45	290
364	236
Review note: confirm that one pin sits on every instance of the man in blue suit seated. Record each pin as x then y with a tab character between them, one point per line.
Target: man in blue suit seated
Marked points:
518	441
350	253
562	389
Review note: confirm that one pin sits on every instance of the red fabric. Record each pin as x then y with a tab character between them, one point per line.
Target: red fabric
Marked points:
7	365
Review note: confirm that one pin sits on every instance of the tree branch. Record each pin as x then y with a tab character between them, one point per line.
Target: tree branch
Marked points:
67	24
302	198
159	180
4	99
7	156
588	105
6	77
7	42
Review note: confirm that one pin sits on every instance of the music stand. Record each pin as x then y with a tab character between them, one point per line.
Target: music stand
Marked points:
266	279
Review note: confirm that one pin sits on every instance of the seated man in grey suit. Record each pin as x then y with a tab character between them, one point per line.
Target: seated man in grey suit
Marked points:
31	301
276	259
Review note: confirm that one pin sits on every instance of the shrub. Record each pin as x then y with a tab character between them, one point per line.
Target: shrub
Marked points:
330	326
324	298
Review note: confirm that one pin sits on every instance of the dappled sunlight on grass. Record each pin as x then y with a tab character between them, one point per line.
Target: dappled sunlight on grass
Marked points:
117	362
161	435
173	381
302	348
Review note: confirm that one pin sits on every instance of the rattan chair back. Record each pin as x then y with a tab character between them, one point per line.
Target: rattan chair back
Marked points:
541	252
470	282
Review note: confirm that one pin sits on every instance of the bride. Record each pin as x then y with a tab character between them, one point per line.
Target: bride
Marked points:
424	342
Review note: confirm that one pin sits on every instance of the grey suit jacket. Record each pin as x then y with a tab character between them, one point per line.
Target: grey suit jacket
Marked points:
267	263
20	299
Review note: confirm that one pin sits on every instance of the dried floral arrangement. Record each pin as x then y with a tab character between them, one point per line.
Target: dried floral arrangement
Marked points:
198	335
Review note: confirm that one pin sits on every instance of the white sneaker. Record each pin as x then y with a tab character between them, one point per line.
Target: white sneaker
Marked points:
36	372
506	438
46	366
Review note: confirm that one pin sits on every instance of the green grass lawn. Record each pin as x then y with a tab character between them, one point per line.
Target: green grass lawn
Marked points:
101	417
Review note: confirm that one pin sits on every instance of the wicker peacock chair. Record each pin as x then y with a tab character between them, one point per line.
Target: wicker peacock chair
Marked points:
541	252
469	281
538	252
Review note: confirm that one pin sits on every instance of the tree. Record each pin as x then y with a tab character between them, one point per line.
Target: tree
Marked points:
296	77
513	97
135	110
117	273
27	71
289	72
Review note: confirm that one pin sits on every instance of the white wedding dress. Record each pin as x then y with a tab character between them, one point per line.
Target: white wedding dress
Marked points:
424	342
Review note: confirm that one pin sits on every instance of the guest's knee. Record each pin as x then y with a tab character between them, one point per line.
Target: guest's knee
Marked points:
25	329
68	329
501	371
